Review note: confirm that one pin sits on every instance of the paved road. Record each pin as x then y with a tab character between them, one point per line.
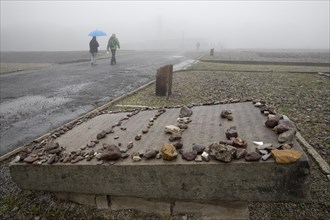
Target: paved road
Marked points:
35	102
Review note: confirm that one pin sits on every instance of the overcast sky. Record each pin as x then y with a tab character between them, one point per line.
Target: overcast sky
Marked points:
64	25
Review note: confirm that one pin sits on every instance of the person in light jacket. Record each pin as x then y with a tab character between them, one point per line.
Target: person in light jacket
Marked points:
93	49
113	43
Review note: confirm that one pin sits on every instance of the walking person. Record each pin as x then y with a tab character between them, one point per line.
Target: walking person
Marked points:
93	49
113	43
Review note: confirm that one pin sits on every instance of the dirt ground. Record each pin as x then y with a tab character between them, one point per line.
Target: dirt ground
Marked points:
304	97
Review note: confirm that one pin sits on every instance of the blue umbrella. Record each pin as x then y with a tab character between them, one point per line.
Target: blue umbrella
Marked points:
97	33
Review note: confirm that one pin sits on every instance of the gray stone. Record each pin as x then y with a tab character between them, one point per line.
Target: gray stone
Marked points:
268	146
138	137
286	136
101	135
111	152
225	113
263	152
51	159
77	159
51	145
273	120
198	148
182	126
252	156
222	152
175	136
150	153
30	159
240	153
185	112
178	145
266	156
231	132
130	145
230	117
285	125
189	156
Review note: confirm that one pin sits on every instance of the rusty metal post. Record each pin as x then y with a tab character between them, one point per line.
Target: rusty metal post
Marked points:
212	52
164	80
161	81
169	79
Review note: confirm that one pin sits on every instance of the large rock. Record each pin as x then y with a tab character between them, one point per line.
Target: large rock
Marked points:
286	156
222	152
240	153
285	125
169	152
185	112
111	152
286	136
273	120
231	132
51	145
172	129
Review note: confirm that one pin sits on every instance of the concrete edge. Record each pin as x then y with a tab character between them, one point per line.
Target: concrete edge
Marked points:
98	109
322	163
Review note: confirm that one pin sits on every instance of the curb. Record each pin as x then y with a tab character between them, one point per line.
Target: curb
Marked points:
322	163
101	108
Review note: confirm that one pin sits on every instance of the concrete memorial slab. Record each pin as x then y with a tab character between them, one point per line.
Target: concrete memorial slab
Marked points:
177	179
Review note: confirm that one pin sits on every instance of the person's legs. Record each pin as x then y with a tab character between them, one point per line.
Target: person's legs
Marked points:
95	58
92	58
113	57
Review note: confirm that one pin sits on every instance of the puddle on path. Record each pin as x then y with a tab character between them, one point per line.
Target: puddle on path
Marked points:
28	104
72	89
183	65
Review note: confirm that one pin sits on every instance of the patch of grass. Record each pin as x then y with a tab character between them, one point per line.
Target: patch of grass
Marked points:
202	65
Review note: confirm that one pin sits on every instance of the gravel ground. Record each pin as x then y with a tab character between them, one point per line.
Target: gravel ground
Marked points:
304	97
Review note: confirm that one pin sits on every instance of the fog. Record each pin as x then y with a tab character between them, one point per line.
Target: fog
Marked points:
64	25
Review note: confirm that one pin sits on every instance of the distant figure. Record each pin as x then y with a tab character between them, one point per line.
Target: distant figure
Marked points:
198	45
113	43
93	49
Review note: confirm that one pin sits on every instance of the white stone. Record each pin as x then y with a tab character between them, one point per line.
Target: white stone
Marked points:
136	158
198	158
172	129
258	143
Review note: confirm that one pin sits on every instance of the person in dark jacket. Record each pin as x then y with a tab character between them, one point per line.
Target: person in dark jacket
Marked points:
93	49
113	43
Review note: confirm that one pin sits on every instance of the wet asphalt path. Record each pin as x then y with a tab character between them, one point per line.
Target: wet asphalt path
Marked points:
36	102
